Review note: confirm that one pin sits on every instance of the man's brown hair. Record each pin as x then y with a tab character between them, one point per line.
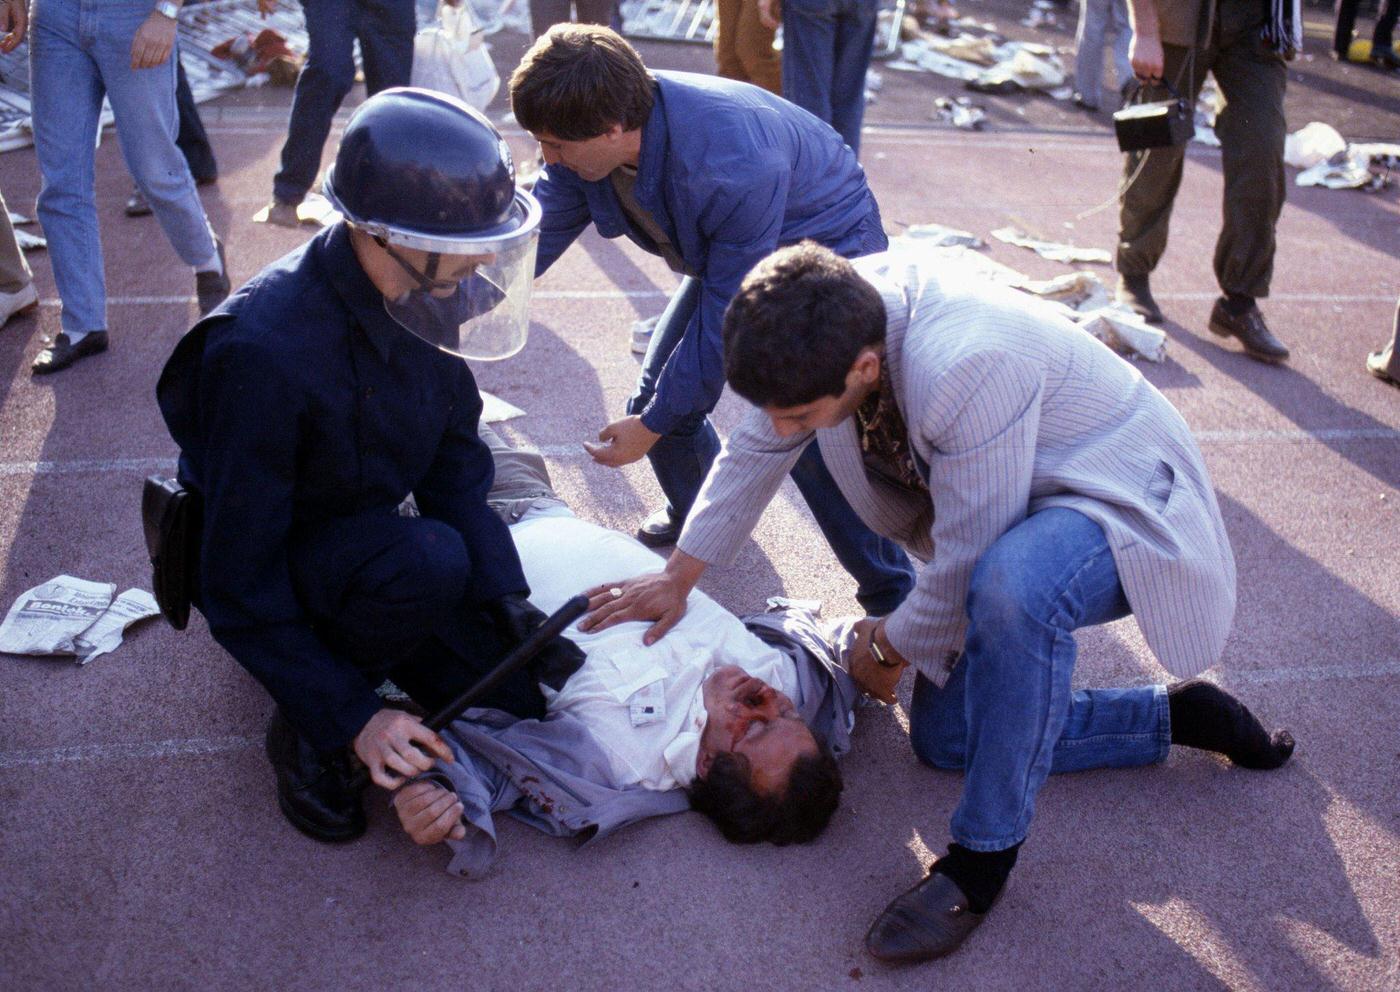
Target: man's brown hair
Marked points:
577	81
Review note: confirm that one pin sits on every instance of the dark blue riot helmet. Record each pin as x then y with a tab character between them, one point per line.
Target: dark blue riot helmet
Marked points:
422	170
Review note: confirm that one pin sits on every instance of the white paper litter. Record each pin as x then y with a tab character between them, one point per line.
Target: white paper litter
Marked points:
30	242
494	409
1053	250
1311	144
17	219
315	209
936	235
71	616
1340	172
1078	296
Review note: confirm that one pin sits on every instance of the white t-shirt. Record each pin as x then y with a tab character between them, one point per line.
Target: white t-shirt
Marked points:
642	704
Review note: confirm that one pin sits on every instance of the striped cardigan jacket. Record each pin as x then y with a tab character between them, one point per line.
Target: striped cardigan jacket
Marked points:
1010	409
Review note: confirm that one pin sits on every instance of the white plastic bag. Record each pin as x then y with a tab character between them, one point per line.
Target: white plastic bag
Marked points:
450	56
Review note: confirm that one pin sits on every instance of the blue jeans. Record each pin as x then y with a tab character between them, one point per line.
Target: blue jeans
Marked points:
1097	18
385	31
1007	716
682	457
80	51
826	50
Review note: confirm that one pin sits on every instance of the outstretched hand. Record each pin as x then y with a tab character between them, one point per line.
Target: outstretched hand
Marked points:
658	596
622	442
429	813
872	678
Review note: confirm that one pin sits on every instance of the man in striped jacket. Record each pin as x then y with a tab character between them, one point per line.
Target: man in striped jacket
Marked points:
1045	484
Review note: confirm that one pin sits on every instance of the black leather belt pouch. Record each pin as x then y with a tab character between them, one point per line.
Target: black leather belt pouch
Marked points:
172	517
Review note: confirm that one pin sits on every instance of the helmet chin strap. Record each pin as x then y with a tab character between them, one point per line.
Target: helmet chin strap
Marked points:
428	282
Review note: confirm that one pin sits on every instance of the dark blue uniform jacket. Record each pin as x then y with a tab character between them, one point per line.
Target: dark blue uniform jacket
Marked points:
298	400
731	173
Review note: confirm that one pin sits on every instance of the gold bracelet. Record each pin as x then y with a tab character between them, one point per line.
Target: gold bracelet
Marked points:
880	655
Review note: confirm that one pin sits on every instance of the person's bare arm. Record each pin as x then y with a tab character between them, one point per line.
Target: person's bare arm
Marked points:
1146	49
658	596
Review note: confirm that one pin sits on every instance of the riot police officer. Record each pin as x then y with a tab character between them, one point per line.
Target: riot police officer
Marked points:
312	403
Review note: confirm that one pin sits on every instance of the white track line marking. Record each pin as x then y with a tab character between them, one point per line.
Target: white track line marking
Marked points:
205	746
573	451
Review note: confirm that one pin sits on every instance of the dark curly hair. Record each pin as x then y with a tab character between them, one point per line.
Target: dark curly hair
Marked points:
796	326
797	816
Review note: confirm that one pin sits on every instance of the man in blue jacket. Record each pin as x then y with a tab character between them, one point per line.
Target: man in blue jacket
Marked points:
311	404
711	175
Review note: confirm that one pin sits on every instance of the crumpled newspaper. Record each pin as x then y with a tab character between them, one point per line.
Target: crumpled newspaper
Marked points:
70	616
1351	168
1029	67
494	409
1053	250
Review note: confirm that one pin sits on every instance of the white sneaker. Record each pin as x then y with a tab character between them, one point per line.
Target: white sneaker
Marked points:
18	302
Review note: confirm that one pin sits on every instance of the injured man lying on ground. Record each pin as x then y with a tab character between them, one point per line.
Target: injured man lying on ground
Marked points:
741	720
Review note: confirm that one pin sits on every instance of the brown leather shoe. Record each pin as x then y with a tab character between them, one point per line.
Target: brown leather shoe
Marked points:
62	352
1259	342
1135	293
929	921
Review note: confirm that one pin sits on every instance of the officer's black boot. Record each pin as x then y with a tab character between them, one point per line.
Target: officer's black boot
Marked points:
318	792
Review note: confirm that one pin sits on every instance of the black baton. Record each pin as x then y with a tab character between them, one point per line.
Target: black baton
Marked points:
513	662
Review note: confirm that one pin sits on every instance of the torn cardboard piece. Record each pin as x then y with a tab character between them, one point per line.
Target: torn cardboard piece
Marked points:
71	616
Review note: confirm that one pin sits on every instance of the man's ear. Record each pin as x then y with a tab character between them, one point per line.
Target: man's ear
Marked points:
703	762
865	370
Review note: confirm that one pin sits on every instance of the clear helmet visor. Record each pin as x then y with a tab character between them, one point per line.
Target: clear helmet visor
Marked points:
483	315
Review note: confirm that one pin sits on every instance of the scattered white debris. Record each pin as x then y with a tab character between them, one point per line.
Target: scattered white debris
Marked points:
30	242
1311	144
938	236
960	112
1053	250
69	616
18	219
1124	332
1341	171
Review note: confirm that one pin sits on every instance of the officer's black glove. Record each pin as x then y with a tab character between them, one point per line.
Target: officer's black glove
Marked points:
515	620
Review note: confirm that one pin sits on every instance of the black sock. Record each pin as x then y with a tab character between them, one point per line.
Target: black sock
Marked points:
1238	303
980	874
1207	717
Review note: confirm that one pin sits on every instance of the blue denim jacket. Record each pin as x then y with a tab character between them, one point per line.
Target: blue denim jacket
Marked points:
297	400
731	173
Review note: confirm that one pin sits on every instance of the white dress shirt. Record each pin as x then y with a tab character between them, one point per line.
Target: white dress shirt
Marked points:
643	704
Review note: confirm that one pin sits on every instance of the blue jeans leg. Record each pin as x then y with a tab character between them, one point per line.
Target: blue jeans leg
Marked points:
325	79
1007	715
80	52
826	51
681	458
386	42
148	119
881	569
66	92
1094	16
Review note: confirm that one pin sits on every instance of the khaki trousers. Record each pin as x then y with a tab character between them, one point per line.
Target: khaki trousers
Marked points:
744	47
14	270
1251	130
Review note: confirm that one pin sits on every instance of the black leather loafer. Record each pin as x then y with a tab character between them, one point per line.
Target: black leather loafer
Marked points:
660	529
1259	343
929	921
62	352
318	793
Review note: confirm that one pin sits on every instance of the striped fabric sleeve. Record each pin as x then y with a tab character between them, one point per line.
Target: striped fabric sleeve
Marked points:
981	427
741	484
